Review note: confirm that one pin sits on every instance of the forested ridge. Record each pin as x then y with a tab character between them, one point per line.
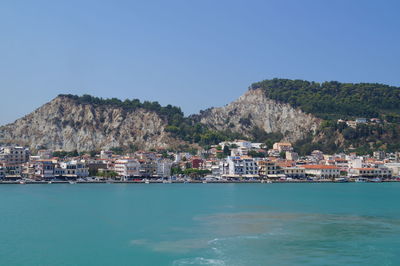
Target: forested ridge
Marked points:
334	100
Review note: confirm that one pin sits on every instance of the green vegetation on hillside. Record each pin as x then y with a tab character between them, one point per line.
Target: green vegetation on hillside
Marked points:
364	139
333	100
169	112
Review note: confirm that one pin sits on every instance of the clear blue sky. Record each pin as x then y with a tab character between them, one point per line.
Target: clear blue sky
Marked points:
194	54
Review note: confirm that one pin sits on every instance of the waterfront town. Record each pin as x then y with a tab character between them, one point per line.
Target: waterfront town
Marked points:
235	161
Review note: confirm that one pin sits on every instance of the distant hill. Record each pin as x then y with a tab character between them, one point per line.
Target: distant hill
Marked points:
89	123
302	112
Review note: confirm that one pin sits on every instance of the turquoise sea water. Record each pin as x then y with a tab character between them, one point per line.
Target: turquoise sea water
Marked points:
200	224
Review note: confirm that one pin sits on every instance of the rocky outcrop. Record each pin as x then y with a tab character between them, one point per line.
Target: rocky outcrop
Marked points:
66	124
254	109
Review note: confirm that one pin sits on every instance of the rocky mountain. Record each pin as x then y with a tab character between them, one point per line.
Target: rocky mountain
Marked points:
302	112
254	110
65	123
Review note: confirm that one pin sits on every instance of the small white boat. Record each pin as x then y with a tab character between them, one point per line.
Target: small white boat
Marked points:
376	180
204	182
146	181
360	180
72	182
22	182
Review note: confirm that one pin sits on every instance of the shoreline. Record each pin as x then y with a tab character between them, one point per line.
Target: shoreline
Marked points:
183	182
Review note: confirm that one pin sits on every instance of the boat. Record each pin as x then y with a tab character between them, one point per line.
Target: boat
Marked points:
72	182
341	180
204	182
22	182
376	180
360	180
146	181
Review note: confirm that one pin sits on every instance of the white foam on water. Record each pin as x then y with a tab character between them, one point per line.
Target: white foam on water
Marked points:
199	261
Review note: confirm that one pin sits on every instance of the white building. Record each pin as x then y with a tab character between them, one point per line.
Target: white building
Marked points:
106	154
282	146
321	171
395	167
242	166
14	155
240	151
223	167
294	172
74	169
371	172
43	169
357	162
164	168
128	167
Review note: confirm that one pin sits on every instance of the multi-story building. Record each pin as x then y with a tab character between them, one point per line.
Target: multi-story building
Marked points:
148	168
223	168
283	146
58	171
43	169
14	155
321	171
74	169
239	151
379	155
98	165
127	167
370	172
164	168
395	167
213	165
242	166
267	169
13	171
294	172
196	162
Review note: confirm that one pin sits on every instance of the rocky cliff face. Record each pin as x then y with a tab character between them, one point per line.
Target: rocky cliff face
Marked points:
65	124
254	109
